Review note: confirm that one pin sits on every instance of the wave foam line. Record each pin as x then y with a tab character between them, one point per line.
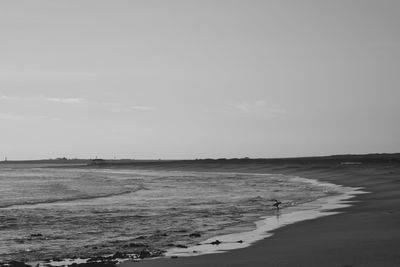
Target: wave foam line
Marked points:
62	200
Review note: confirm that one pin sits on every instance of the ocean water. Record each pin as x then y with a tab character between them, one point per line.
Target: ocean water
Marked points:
80	212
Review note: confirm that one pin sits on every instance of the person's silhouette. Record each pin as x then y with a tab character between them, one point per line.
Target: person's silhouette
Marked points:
276	204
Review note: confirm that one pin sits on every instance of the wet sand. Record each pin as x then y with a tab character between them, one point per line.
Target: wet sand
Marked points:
364	234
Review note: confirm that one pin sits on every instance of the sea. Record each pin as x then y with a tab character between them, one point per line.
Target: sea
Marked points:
48	214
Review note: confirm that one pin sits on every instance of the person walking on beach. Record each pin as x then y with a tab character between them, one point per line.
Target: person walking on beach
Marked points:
276	204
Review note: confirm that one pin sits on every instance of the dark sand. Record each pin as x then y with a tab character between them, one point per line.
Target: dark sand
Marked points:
365	234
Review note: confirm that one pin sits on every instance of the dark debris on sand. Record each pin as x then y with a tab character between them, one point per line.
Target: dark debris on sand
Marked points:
14	264
88	264
95	264
100	261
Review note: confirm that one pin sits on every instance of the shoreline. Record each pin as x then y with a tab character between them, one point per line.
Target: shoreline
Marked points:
365	233
265	227
323	206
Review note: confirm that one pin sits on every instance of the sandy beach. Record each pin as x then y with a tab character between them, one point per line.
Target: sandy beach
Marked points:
364	234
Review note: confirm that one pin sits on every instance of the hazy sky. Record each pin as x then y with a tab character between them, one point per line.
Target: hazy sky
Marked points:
196	79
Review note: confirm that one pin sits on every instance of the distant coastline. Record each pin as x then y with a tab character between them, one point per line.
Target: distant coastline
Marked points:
344	159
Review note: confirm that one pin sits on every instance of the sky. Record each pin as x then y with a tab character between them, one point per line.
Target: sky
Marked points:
198	79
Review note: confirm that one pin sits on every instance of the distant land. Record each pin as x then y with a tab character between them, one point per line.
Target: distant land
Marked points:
344	159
